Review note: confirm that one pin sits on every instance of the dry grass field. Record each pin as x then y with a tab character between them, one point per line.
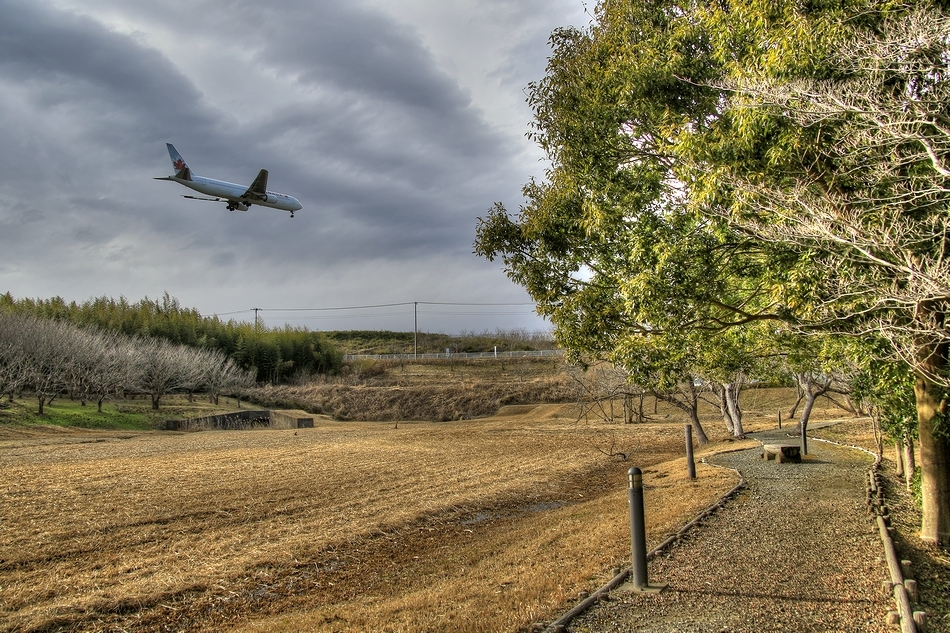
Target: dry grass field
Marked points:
484	525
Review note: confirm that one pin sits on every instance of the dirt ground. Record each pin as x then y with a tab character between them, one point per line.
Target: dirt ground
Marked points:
480	525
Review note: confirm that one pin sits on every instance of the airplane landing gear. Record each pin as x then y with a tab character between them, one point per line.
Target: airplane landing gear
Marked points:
291	214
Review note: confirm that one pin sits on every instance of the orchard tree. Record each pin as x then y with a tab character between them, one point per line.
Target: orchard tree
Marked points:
49	353
220	374
12	354
166	368
118	368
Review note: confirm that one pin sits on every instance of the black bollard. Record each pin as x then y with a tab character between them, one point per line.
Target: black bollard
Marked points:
638	532
690	463
638	538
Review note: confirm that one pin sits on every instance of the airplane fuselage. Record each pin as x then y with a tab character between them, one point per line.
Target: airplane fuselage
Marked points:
238	197
235	192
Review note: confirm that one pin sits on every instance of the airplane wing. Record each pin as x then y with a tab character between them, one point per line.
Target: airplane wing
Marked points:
258	188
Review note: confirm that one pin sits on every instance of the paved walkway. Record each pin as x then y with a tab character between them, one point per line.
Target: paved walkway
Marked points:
796	550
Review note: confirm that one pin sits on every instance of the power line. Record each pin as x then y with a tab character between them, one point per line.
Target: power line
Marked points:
415	309
375	306
386	305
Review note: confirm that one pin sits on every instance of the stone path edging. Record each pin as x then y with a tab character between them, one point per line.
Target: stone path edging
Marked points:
560	625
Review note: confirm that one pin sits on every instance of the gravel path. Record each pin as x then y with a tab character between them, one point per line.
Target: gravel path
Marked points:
794	551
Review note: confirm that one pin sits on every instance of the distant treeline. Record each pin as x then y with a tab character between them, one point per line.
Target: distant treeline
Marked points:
277	355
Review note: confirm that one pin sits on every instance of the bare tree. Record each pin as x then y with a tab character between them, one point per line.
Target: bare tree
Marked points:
85	349
219	373
48	357
601	386
12	353
119	367
166	368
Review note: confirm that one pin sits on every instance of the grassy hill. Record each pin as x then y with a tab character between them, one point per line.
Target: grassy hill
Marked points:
387	342
434	390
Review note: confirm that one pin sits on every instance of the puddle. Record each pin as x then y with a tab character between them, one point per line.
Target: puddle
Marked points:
481	517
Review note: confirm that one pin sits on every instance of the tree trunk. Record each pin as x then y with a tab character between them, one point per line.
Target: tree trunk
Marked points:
798	401
701	438
42	401
155	400
720	391
899	456
690	405
732	404
99	403
910	462
934	446
803	421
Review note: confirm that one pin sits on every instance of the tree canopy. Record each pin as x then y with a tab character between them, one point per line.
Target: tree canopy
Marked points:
715	166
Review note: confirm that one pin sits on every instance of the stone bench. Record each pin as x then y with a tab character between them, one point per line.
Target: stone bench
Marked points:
782	452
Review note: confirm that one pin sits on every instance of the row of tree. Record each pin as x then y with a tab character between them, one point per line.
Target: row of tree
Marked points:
48	357
274	354
737	179
718	370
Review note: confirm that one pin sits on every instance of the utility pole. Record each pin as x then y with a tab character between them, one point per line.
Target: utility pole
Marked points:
415	329
256	310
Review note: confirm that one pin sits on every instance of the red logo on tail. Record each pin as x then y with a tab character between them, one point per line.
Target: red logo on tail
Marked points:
179	164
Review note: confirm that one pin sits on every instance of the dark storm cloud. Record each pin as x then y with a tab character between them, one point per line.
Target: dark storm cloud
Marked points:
73	63
346	47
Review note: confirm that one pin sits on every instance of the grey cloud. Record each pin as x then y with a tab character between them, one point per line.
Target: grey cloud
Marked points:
72	61
388	153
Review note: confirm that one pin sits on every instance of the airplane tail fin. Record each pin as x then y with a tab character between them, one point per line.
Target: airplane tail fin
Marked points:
181	167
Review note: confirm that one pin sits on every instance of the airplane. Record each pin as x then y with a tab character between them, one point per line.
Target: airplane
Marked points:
238	197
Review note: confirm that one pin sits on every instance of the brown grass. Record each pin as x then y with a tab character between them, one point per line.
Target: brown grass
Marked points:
430	390
474	526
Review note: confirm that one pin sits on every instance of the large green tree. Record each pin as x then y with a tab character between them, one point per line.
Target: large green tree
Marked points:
675	170
874	213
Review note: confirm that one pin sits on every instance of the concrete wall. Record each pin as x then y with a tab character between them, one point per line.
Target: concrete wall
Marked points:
291	420
238	421
243	420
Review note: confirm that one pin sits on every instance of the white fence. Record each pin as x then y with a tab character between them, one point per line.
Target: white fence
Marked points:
541	353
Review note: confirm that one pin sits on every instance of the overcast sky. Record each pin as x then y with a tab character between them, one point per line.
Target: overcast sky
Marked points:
396	123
